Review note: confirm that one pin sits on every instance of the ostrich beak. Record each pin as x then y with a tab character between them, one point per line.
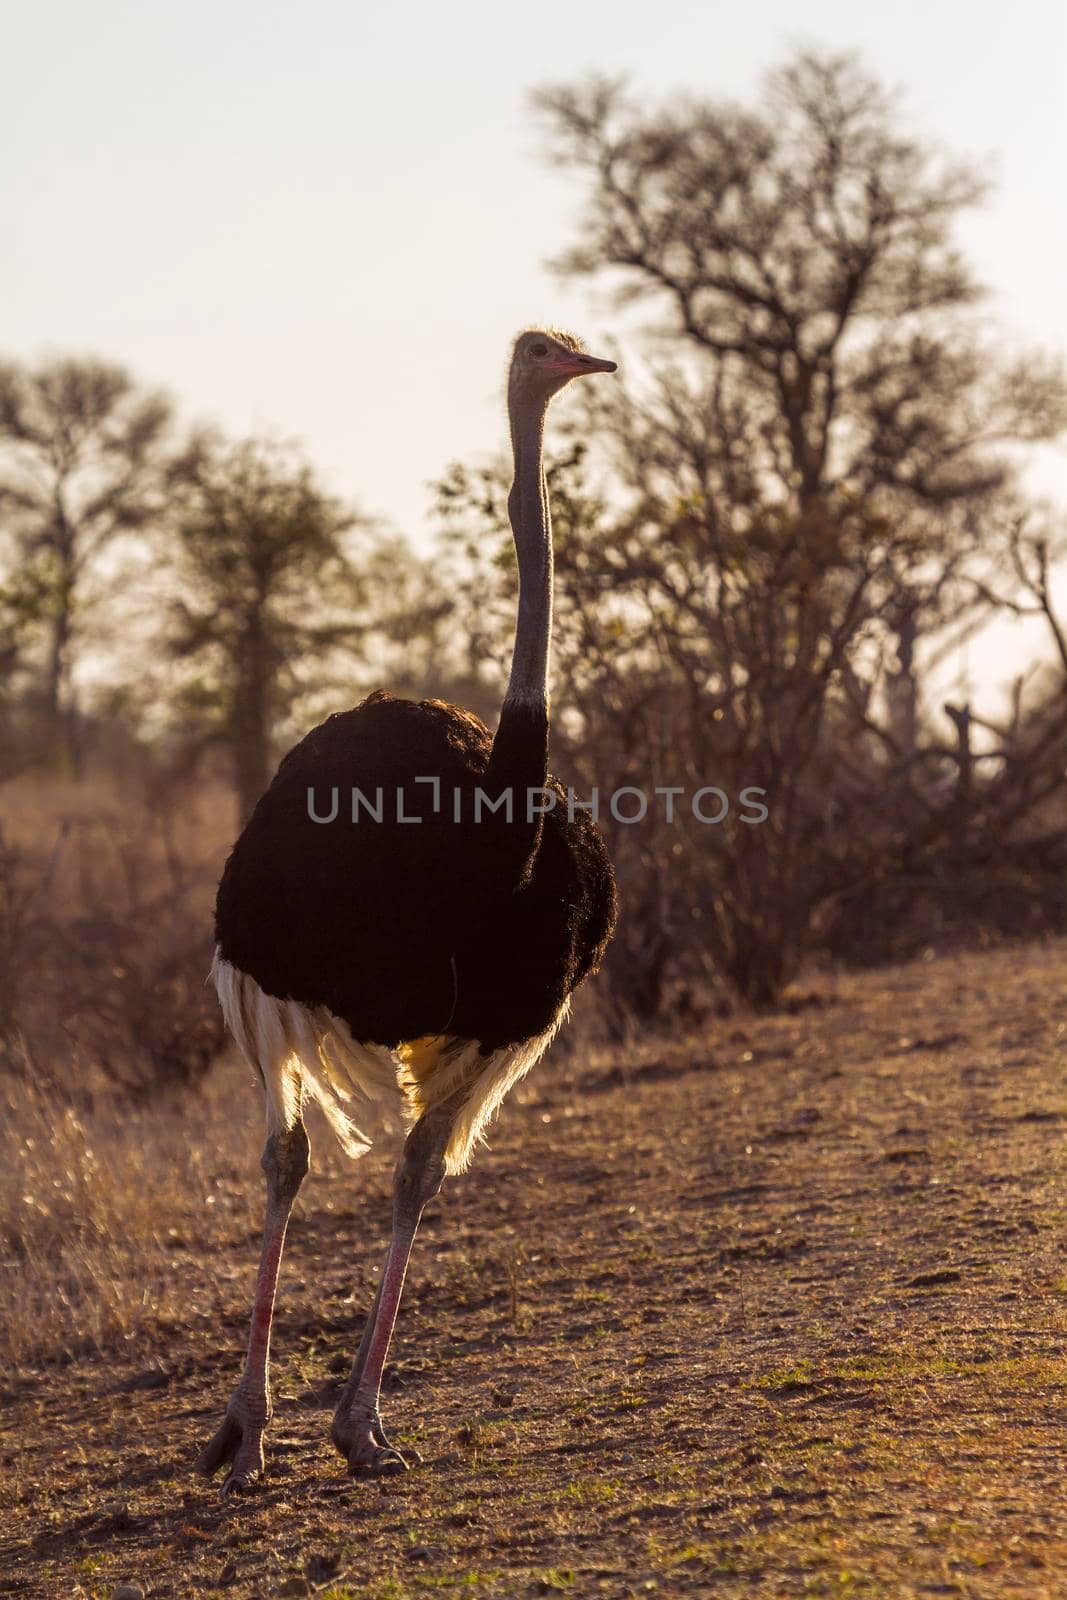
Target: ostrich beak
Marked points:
597	364
578	364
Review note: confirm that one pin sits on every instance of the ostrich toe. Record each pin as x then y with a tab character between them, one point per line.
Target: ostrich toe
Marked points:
239	1441
363	1443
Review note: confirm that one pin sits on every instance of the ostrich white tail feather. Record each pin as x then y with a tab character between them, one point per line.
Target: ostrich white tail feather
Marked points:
295	1049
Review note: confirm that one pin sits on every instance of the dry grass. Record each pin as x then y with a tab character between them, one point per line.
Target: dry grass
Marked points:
105	931
106	897
94	1213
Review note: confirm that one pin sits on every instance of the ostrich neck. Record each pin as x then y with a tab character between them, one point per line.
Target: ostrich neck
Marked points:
519	758
528	510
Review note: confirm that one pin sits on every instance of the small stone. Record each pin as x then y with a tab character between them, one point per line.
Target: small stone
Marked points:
322	1565
127	1591
150	1378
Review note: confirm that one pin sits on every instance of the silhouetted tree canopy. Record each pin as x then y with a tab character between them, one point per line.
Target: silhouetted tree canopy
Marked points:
266	588
806	252
82	456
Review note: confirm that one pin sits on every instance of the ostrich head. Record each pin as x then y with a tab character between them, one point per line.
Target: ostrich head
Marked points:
543	361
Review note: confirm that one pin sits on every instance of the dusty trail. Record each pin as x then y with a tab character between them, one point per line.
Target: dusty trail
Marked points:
779	1311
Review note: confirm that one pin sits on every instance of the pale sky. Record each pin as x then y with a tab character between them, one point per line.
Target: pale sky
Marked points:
326	220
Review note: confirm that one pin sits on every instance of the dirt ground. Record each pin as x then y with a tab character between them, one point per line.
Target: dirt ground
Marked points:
776	1311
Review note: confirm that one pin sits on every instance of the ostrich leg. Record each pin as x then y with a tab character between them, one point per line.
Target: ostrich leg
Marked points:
239	1440
357	1428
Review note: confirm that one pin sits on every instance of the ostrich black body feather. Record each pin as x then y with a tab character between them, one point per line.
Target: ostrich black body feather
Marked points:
476	929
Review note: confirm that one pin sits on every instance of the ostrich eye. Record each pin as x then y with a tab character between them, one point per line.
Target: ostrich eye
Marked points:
539	349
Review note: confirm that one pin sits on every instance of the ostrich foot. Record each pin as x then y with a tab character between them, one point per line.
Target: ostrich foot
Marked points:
361	1440
240	1442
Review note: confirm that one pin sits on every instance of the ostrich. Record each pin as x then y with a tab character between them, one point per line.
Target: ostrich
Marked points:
414	952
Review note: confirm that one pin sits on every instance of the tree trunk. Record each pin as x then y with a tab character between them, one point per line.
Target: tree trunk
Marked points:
250	725
59	710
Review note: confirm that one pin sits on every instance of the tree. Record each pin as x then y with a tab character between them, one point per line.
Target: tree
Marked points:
816	481
795	513
806	255
268	589
82	454
23	608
